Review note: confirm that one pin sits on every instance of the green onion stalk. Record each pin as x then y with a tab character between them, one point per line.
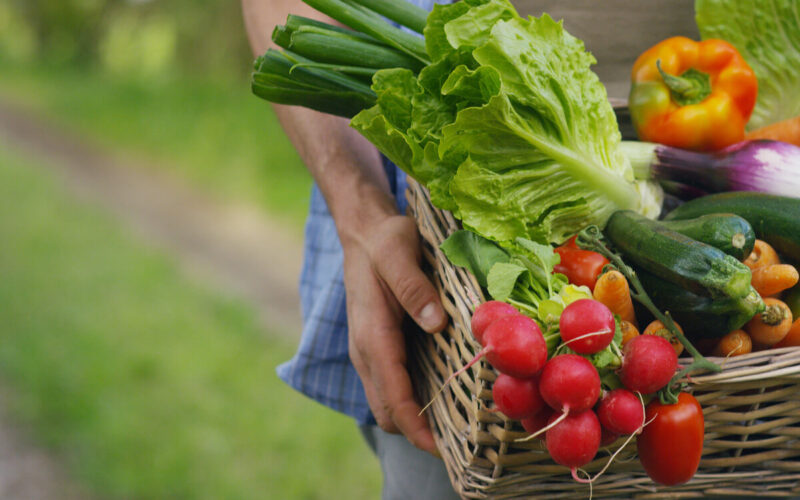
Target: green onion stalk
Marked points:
329	68
280	77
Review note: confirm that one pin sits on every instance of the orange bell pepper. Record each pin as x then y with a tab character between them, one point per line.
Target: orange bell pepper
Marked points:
692	95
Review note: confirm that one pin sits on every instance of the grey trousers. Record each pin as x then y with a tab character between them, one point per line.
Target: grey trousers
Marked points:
408	473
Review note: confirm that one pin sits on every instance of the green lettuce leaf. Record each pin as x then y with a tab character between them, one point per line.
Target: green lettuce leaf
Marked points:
510	129
436	42
478	255
523	277
767	34
503	278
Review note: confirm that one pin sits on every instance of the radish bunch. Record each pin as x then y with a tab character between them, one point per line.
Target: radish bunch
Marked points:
514	345
560	397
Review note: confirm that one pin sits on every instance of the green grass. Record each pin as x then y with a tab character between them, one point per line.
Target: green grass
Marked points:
216	135
146	384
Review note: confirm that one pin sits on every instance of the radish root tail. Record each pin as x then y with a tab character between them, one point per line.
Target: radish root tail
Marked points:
604	331
614	455
546	427
574	472
455	374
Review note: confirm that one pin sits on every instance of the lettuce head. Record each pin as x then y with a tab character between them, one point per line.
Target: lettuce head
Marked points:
508	127
767	34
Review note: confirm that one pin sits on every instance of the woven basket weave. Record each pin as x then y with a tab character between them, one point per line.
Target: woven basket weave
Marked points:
751	409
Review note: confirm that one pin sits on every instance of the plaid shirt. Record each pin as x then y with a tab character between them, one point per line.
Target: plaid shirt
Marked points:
321	368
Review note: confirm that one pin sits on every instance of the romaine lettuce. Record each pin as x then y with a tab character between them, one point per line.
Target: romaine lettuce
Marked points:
508	127
767	34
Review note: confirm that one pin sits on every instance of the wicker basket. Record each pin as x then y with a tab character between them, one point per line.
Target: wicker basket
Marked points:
751	408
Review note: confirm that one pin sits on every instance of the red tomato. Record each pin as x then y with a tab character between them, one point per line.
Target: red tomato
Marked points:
670	446
581	267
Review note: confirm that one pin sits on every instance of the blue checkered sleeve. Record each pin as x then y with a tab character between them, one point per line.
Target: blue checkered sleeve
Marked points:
321	368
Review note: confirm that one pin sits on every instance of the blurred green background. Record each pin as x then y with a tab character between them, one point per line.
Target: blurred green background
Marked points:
141	380
158	78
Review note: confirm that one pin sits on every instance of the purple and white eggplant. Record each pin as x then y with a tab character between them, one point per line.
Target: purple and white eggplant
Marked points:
761	165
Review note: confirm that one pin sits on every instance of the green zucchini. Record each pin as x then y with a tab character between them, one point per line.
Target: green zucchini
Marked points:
695	266
700	316
728	232
775	219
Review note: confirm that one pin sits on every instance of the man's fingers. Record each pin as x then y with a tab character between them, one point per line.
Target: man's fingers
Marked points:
414	426
375	397
384	281
397	263
394	385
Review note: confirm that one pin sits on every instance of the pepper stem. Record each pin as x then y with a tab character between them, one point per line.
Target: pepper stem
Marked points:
691	87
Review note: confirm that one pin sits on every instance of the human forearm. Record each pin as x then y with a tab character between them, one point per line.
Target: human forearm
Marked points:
345	166
261	17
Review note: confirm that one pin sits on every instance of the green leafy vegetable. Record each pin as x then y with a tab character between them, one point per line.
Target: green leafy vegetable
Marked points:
510	129
503	278
767	34
361	18
280	77
523	277
477	254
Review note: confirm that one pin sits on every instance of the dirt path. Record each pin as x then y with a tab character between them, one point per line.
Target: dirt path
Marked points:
235	249
29	473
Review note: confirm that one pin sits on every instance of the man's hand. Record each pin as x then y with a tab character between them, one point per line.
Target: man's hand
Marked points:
383	281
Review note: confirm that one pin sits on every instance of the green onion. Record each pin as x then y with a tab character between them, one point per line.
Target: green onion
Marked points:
366	21
282	36
340	103
331	47
403	13
359	71
326	67
287	78
278	63
289	65
295	22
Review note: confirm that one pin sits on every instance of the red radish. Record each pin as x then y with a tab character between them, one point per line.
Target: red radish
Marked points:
621	412
517	398
648	364
514	345
607	437
486	313
574	441
587	326
569	383
535	423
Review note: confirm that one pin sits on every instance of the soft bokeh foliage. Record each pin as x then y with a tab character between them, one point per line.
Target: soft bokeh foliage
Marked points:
135	36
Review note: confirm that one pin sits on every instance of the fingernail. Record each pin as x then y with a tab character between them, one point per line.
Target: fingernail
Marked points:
430	317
